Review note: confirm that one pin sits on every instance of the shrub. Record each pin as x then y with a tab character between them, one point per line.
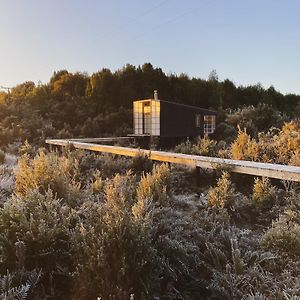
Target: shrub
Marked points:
97	182
205	146
155	186
26	148
287	142
110	165
275	146
2	157
59	173
256	119
19	284
244	147
264	194
112	247
284	235
141	163
295	159
185	147
223	195
202	146
42	224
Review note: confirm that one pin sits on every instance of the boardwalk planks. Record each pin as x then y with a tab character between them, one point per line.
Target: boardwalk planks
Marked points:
283	172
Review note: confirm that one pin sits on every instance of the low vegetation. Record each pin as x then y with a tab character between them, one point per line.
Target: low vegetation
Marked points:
84	226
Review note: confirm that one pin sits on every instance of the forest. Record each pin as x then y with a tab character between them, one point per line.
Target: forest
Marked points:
80	225
78	105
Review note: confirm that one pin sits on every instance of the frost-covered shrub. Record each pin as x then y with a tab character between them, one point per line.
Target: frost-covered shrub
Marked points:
2	157
205	146
264	194
223	195
183	179
19	284
61	174
180	238
112	246
141	163
155	185
110	165
44	172
185	147
6	183
42	224
256	119
202	146
284	235
275	146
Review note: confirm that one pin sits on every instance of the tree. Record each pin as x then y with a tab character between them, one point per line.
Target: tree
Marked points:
213	76
21	91
70	84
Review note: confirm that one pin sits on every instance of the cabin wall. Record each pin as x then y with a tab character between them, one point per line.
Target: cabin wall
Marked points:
168	120
179	120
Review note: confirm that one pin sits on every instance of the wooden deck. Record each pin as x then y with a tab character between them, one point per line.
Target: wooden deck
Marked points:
283	172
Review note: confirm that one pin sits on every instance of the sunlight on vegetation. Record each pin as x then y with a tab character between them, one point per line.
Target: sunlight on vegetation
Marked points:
76	225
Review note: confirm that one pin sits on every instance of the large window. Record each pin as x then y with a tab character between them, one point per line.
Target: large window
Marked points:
146	116
155	113
209	124
138	117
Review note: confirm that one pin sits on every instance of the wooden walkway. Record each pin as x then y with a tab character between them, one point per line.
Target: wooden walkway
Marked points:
282	172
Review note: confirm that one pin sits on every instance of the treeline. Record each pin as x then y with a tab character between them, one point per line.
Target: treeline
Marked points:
76	104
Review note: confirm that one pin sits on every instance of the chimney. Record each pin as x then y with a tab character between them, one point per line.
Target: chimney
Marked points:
155	95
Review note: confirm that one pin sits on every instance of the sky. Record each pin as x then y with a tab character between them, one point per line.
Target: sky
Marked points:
246	41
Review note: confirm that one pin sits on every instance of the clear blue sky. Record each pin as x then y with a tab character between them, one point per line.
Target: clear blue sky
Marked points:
247	41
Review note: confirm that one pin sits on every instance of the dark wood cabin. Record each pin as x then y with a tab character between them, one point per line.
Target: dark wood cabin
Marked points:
171	121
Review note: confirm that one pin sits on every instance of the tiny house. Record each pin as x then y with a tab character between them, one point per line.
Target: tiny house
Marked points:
169	120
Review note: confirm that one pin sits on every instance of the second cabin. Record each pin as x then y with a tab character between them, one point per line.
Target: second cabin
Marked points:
171	121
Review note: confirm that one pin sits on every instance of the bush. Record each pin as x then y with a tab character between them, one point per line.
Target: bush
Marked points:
141	163
264	194
284	235
223	195
202	146
2	157
42	224
97	182
256	119
155	186
19	284
205	147
275	146
244	148
185	147
61	174
125	236
110	165
112	247
26	148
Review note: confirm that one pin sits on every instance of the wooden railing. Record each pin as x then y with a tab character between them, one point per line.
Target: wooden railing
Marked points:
284	172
